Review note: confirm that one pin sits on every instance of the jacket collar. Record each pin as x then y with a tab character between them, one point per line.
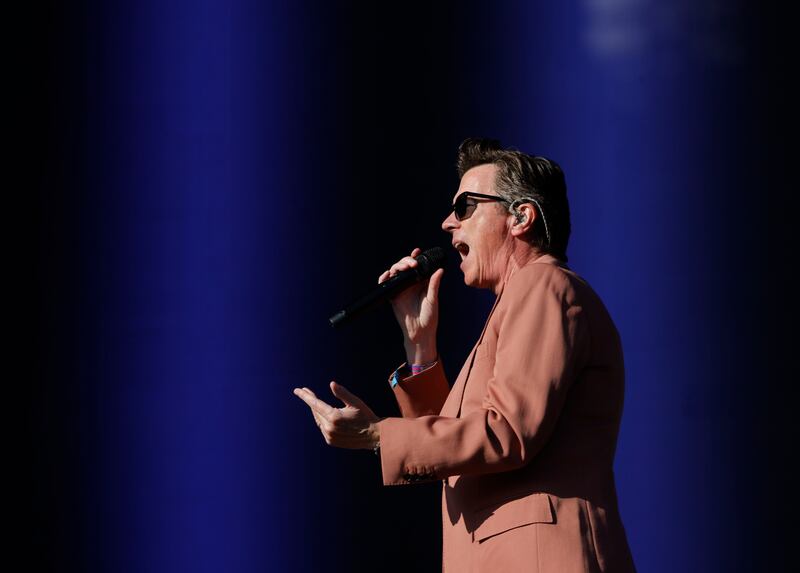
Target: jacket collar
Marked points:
541	259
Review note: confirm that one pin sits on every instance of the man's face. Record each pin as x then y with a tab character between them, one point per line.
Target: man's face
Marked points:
483	240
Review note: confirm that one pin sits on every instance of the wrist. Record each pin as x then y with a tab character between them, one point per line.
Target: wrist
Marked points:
415	369
421	353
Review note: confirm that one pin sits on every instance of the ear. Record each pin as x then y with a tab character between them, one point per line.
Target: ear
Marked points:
524	221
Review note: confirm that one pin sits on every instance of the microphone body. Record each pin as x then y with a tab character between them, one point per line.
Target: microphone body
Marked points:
427	263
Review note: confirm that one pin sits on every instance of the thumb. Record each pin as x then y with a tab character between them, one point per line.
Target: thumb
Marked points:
347	397
433	285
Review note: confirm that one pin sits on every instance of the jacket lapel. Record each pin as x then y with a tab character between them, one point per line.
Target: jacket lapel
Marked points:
452	406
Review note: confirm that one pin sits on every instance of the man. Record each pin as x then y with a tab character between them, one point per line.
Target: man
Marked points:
524	441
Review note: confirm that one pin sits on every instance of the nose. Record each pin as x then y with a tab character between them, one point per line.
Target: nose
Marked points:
450	223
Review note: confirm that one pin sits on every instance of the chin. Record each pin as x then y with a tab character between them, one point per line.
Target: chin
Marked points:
469	280
471	275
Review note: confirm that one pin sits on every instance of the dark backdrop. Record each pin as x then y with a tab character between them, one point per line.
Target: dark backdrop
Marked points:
213	179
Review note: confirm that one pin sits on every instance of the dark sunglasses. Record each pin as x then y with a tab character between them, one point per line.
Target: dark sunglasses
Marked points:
464	208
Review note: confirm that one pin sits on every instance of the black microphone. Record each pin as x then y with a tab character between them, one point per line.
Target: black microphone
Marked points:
427	263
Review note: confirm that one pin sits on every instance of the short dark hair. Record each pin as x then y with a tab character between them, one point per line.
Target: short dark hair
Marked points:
523	178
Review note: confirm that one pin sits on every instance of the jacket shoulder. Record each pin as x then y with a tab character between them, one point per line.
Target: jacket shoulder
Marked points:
547	278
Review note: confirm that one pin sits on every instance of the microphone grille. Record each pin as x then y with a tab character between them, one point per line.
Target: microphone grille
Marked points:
431	260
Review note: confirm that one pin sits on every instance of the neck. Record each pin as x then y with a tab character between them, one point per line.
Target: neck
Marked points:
520	256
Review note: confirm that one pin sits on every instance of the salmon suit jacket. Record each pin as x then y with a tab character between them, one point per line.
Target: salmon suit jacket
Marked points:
524	441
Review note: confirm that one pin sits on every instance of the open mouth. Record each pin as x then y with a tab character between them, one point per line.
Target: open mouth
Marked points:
463	249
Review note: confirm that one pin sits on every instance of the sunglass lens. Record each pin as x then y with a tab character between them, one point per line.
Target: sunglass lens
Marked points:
462	208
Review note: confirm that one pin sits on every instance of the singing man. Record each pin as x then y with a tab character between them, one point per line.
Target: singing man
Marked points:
524	440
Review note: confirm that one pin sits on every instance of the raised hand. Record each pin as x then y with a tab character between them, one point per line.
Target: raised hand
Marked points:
417	311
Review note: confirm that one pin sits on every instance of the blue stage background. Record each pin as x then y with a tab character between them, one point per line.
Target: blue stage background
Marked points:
216	178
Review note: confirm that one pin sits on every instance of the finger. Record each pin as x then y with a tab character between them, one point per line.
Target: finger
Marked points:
320	407
433	285
322	411
304	396
317	418
347	397
403	264
415	253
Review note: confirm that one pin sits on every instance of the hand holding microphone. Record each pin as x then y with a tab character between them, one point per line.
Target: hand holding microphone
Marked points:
417	310
412	286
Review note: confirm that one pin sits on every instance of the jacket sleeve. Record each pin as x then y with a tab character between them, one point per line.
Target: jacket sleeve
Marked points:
542	343
423	393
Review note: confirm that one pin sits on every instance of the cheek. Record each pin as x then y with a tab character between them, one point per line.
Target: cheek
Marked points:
490	239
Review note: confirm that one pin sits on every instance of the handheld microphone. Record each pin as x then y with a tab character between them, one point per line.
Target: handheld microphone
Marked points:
427	263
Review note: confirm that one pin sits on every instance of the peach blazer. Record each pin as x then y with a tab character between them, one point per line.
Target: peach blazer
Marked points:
524	441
